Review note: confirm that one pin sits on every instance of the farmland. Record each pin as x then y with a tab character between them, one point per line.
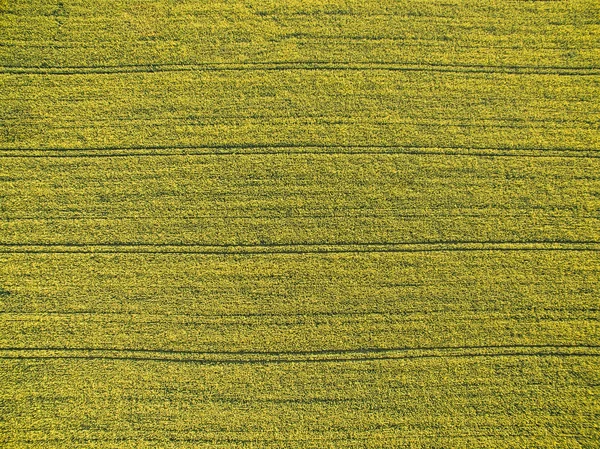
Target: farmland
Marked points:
317	224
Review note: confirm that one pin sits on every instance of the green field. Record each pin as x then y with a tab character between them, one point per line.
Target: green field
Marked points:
299	224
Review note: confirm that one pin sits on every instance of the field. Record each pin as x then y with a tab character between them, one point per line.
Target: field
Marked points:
299	224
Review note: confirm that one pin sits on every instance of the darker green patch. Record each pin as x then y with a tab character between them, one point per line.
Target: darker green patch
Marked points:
4	292
60	10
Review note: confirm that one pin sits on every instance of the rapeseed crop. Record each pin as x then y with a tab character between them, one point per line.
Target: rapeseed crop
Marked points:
315	224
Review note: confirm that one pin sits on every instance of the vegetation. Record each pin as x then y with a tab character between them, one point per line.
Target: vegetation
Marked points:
299	224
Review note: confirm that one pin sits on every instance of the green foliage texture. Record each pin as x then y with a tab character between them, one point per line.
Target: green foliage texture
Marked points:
299	224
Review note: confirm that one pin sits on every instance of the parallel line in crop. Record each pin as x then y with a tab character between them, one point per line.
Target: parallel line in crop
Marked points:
307	352
323	439
318	356
326	314
298	120
308	118
292	149
273	214
294	248
304	65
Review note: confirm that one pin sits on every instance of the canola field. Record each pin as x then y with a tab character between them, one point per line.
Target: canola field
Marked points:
299	224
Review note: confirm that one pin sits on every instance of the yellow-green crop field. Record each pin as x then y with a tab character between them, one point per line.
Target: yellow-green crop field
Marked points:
299	224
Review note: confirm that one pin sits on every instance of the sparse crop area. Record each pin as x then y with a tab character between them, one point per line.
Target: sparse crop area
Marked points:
299	224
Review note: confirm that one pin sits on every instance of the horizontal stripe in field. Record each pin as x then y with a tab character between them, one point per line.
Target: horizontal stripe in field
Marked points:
474	32
299	248
308	65
298	302
299	198
330	356
295	148
329	110
424	402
